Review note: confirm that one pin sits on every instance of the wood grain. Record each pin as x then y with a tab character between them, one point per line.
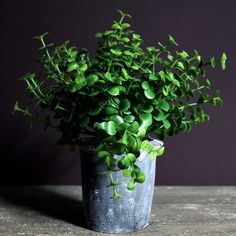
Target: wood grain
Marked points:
57	210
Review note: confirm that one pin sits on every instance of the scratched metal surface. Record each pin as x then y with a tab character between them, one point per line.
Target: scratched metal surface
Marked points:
57	210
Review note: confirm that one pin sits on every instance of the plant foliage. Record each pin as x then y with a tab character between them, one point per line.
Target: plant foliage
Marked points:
121	96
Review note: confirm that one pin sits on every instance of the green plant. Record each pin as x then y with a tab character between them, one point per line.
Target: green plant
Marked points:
118	98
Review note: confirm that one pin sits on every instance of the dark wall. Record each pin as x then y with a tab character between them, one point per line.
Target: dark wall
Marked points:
205	156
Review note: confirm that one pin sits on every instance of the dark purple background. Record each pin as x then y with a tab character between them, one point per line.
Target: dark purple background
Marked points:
205	156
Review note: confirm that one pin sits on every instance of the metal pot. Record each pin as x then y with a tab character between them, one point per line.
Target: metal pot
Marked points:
129	213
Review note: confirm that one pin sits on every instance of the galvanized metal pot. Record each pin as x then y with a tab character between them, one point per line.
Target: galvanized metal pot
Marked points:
105	214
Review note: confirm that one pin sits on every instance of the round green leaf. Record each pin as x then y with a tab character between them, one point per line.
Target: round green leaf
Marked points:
131	157
134	127
109	110
131	185
166	124
91	79
124	105
158	115
84	122
149	94
147	108
153	77
129	118
126	173
118	148
164	105
103	154
146	120
111	128
160	151
145	85
83	67
140	178
117	119
114	91
116	52
123	163
72	66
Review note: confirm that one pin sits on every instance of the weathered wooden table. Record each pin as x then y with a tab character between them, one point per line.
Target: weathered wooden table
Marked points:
57	210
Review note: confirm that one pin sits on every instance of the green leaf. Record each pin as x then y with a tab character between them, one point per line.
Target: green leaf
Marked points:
98	35
145	85
164	105
146	118
162	75
110	160
125	39
153	156
91	79
122	127
72	66
134	127
166	124
124	139
131	157
131	185
223	61
207	84
160	151
136	37
116	52
118	148
147	108
152	77
159	115
129	118
80	82
135	67
108	76
94	93
184	55
111	128
172	41
103	154
116	26
124	105
123	163
116	195
213	62
84	122
114	91
127	173
117	119
101	147
144	144
125	73
170	57
128	53
146	121
149	94
109	110
141	132
180	65
140	178
83	67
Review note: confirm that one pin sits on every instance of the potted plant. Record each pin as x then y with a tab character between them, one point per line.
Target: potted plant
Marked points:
117	107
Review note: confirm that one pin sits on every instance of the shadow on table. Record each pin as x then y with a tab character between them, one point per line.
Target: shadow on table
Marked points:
46	202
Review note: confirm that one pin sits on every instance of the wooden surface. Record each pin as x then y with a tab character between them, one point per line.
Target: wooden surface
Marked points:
57	210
